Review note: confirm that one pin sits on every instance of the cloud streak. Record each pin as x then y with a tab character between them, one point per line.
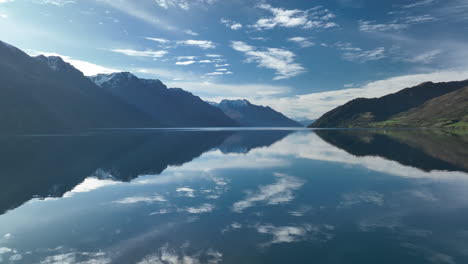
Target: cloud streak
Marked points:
280	60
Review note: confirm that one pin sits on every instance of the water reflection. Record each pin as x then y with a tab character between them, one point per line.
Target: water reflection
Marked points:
239	197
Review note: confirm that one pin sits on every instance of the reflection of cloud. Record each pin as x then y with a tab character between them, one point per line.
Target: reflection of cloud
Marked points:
301	211
142	199
170	256
4	250
299	145
289	234
232	226
185	191
89	184
354	199
204	208
279	192
78	258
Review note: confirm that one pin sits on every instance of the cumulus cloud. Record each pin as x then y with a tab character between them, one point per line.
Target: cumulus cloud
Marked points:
231	24
185	62
142	199
88	185
204	208
204	44
139	53
290	18
190	32
280	60
282	191
290	234
219	72
5	1
301	41
352	53
185	191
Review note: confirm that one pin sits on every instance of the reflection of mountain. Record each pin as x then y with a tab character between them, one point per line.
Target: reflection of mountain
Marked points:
244	141
424	149
50	166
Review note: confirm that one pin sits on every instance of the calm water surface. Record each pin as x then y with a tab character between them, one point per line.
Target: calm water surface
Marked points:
276	196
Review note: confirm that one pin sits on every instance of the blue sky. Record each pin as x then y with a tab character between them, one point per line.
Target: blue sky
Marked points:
300	57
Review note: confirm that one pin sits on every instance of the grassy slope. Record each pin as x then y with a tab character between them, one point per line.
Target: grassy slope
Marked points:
449	110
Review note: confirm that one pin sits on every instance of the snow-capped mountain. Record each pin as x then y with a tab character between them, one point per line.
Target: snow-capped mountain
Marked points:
173	107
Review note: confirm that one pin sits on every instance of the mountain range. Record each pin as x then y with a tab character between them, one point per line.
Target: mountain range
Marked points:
172	107
46	94
250	115
426	105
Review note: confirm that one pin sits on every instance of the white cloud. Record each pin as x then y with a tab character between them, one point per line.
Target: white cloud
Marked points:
315	104
277	193
217	72
231	24
139	53
4	250
222	65
215	91
296	233
190	32
170	256
183	4
78	257
352	53
301	41
204	208
3	15
425	58
5	1
142	199
205	61
186	57
312	18
185	191
185	62
398	24
204	44
159	40
55	2
88	185
87	68
214	55
280	60
419	3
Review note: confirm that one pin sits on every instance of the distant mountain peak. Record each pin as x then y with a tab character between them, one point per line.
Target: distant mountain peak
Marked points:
237	103
251	115
56	63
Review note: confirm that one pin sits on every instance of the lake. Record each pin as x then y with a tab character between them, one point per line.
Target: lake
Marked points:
235	196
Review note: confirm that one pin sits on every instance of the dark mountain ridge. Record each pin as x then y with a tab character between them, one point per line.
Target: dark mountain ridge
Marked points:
362	112
47	94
